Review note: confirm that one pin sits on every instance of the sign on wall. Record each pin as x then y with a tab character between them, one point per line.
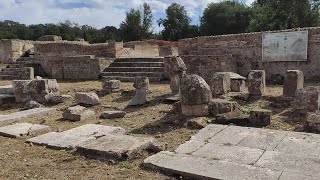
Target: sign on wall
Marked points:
285	46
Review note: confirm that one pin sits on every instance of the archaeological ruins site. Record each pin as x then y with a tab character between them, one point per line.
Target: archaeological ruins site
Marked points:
239	106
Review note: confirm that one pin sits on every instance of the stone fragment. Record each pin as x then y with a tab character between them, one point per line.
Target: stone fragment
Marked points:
256	82
87	98
6	89
293	80
110	86
195	110
141	82
27	113
220	106
312	122
77	113
236	117
7	98
176	68
114	147
197	123
71	138
307	99
220	83
260	117
32	105
59	99
112	114
22	129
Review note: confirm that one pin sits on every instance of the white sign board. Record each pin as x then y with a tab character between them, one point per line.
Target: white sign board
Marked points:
285	46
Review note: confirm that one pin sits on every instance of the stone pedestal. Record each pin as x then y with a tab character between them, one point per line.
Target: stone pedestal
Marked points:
307	99
90	99
237	85
293	80
220	83
256	82
260	117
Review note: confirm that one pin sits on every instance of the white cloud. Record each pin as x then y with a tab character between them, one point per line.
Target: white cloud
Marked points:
98	13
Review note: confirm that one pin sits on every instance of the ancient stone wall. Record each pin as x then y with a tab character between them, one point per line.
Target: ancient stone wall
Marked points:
246	54
137	49
11	50
165	51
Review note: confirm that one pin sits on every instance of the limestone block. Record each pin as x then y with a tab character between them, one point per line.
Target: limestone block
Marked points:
194	90
293	80
307	99
220	106
20	90
87	98
112	114
77	113
42	90
312	122
6	89
195	110
111	85
220	83
256	82
139	98
260	117
7	98
141	82
237	85
22	129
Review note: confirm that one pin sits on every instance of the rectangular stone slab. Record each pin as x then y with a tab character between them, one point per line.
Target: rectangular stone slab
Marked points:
71	138
118	147
27	113
201	168
22	129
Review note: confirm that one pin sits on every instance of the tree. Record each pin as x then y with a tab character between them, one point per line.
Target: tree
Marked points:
138	24
276	15
228	17
177	23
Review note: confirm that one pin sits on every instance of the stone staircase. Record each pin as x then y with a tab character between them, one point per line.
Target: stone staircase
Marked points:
125	69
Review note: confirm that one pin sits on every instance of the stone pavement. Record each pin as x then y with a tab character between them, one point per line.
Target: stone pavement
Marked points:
27	113
22	129
231	152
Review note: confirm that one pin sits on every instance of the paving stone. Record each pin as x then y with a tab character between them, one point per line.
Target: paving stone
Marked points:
116	147
73	137
6	98
296	176
312	122
265	139
290	162
139	98
242	155
260	117
220	83
22	129
27	113
201	168
8	89
307	99
256	82
190	146
209	131
112	114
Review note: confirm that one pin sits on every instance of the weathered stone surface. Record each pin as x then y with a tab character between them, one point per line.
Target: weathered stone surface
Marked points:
50	38
22	129
195	110
256	82
220	106
197	123
139	98
117	147
27	113
201	168
77	113
220	83
6	89
20	90
175	67
110	86
307	99
237	85
260	117
32	105
236	117
71	138
112	114
87	98
7	98
312	122
141	82
293	80
231	135
59	99
194	90
296	176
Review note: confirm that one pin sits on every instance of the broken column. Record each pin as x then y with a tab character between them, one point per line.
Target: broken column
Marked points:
141	84
293	80
256	82
220	83
77	113
307	99
175	67
195	94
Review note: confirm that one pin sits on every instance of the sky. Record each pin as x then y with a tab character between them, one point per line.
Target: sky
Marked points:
97	13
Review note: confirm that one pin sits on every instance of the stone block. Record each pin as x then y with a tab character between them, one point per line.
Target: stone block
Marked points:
111	85
220	83
7	98
77	113
195	110
220	106
175	68
307	99
27	113
293	80
194	90
6	89
260	117
141	82
20	90
112	114
114	147
256	82
87	98
59	99
237	85
236	117
22	129
140	98
312	122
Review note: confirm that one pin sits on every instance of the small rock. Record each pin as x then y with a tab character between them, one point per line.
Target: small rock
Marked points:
32	105
112	114
59	99
197	123
77	113
312	123
157	147
87	98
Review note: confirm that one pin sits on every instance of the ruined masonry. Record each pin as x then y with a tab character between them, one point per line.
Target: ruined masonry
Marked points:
293	80
142	85
256	82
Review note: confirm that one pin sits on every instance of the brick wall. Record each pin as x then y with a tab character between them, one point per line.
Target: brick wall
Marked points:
246	54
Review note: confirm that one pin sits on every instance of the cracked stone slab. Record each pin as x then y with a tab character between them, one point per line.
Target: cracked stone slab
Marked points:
209	131
201	168
295	176
190	146
71	138
290	163
27	113
117	147
22	129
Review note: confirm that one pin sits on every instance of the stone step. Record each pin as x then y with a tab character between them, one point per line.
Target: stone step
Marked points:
7	98
133	74
160	59
8	77
8	89
131	79
137	64
8	72
134	69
